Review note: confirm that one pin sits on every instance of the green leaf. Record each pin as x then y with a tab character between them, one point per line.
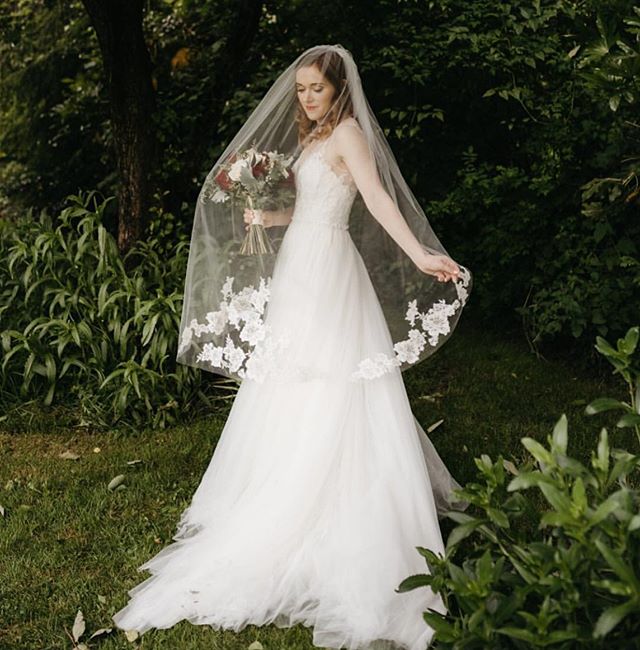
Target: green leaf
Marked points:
149	327
485	568
558	636
519	633
603	404
559	436
557	519
461	532
605	348
630	341
445	631
498	517
579	495
610	618
541	454
555	497
607	507
628	420
603	451
614	587
414	581
48	399
460	517
526	480
615	561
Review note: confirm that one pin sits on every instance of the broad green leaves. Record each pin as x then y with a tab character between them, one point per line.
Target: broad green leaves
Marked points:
625	360
546	556
88	328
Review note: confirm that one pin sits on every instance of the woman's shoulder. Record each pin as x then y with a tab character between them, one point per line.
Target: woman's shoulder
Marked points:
348	132
346	123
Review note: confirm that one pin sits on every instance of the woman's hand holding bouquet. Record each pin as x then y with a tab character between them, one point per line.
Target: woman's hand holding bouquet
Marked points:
257	180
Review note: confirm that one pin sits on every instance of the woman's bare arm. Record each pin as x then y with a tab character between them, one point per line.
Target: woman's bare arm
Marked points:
352	147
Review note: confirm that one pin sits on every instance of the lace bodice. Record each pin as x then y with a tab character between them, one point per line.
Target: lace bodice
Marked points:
323	195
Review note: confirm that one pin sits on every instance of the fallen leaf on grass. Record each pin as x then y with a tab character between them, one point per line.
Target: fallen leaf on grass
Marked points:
78	626
116	483
131	635
102	630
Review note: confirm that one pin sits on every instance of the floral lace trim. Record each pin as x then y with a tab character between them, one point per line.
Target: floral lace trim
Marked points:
258	353
435	322
257	349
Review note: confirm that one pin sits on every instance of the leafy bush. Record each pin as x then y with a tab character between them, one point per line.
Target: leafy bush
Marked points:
589	278
571	580
550	556
79	322
588	281
626	361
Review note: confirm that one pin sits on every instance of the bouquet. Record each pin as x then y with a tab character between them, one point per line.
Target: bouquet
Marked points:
258	180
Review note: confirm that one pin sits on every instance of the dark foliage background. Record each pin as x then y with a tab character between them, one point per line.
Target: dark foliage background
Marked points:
514	123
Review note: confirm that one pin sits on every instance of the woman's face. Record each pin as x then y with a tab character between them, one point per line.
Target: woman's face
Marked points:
315	92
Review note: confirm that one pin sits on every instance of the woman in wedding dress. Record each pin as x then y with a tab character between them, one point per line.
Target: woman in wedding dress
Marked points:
323	482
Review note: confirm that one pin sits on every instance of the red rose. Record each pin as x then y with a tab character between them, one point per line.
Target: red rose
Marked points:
259	169
223	180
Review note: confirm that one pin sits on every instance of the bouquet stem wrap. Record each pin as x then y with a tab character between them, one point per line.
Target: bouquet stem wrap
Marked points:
256	241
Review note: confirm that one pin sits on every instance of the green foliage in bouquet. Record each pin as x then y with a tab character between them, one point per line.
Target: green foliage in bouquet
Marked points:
252	178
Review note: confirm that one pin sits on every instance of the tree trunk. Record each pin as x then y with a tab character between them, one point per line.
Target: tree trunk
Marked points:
127	65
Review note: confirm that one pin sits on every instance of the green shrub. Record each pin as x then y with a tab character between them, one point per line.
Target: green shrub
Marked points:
571	580
625	358
81	324
549	556
588	280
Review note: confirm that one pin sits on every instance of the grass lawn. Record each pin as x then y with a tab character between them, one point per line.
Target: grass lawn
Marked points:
69	543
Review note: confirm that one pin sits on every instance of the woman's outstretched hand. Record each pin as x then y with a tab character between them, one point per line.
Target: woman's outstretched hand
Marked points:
260	216
443	267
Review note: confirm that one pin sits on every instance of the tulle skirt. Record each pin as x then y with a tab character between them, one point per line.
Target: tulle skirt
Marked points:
319	489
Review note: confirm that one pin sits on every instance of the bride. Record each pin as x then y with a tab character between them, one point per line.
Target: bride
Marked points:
314	284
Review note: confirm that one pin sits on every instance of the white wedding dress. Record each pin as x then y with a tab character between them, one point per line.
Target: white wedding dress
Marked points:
320	488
